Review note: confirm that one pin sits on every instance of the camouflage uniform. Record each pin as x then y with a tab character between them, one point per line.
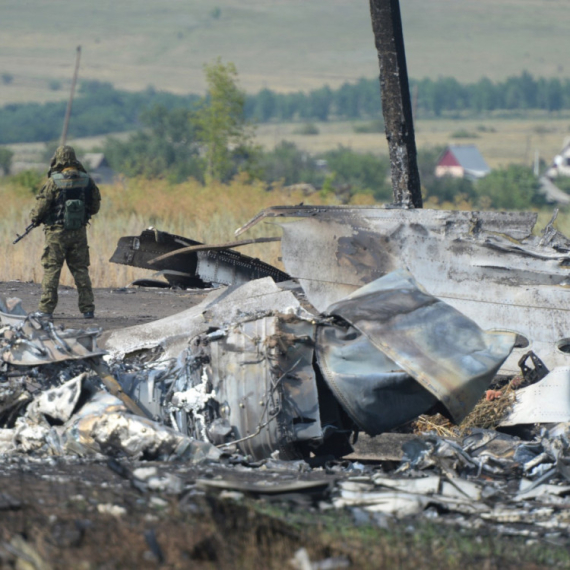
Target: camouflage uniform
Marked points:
61	244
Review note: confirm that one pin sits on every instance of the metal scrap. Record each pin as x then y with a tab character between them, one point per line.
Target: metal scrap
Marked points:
30	341
247	377
188	263
488	265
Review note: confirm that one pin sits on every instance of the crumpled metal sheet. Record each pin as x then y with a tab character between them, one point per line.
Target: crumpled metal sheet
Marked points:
245	378
220	307
104	426
58	403
485	264
547	401
11	311
246	375
376	393
34	342
486	479
96	423
447	353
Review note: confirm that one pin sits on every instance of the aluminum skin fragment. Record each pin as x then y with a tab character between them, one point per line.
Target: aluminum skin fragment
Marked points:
488	265
376	393
33	342
447	353
547	401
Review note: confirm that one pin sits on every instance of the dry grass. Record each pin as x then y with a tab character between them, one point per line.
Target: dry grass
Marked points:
487	414
207	214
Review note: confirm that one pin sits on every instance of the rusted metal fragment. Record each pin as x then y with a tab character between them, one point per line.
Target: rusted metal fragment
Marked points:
191	268
396	104
447	353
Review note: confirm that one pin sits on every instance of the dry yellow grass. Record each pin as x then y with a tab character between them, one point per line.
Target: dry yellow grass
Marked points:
207	214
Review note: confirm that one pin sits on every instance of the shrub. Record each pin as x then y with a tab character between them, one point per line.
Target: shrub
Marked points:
376	126
464	134
307	129
29	179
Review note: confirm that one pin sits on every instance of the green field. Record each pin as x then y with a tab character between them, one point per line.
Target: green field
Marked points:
280	44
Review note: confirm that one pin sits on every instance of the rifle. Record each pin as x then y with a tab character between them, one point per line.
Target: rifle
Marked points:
28	230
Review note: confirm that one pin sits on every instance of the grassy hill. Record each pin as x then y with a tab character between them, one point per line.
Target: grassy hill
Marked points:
281	44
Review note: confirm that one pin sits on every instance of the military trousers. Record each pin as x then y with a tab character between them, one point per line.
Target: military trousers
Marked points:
68	246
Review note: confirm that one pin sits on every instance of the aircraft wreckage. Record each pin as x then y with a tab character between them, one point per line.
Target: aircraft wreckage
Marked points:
390	313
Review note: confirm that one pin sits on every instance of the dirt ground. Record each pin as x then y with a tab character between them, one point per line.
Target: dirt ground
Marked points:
114	308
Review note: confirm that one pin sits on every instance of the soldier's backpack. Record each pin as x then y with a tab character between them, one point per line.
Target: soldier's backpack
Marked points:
71	210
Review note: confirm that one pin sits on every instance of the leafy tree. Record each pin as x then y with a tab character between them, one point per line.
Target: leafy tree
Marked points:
511	188
169	147
287	163
362	172
222	125
6	160
29	179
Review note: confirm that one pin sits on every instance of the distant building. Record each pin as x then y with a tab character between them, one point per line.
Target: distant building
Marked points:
462	161
98	168
561	164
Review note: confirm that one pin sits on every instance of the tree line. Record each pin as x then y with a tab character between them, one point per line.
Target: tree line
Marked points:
101	109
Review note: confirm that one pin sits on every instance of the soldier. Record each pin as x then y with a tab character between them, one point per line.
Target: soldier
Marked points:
64	205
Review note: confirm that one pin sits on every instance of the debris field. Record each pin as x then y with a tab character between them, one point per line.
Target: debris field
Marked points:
269	385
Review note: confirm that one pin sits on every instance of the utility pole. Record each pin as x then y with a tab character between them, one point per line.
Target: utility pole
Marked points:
396	104
70	102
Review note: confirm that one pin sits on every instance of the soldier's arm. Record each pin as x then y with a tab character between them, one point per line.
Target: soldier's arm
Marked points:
95	202
44	201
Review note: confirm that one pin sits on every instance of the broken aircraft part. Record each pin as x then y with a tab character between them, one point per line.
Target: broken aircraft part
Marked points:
248	376
488	265
11	311
191	268
31	342
396	101
546	401
447	353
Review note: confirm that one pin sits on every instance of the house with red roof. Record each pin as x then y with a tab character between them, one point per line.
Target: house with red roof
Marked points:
462	161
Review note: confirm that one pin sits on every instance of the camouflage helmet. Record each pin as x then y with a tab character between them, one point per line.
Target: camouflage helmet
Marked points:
64	157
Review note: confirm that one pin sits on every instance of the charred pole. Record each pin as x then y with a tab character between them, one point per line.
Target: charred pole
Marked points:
396	104
70	102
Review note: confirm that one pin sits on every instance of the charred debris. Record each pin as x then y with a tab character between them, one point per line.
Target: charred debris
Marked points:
389	314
